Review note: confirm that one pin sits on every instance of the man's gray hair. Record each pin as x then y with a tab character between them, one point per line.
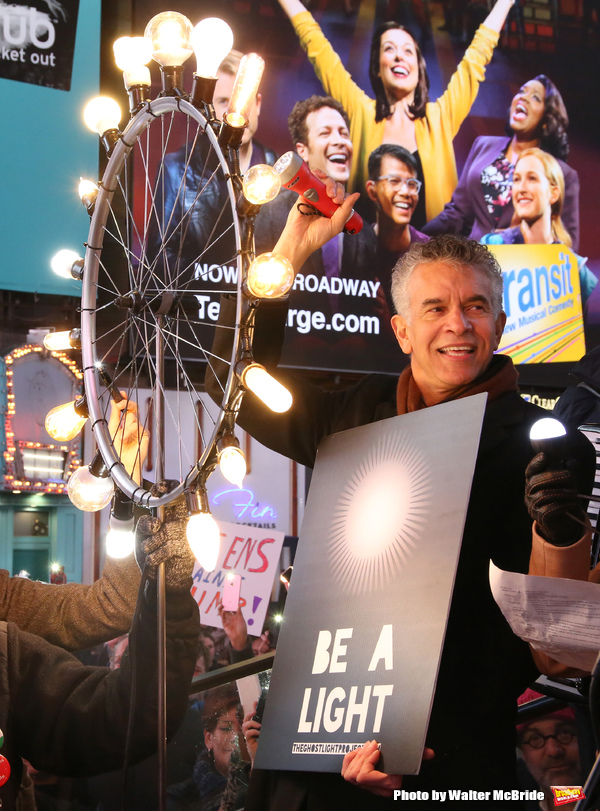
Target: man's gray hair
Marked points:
453	250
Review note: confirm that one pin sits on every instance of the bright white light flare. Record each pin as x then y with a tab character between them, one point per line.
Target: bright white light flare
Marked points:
270	276
212	39
204	538
170	35
233	464
256	378
102	114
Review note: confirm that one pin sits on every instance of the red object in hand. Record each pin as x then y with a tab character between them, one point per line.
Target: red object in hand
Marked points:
296	175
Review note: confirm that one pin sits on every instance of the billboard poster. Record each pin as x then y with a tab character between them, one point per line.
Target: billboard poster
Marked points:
37	42
359	648
339	309
542	301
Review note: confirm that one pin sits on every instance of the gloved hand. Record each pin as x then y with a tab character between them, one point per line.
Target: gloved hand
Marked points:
166	542
552	501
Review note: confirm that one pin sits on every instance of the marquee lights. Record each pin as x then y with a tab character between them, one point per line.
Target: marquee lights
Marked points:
71	451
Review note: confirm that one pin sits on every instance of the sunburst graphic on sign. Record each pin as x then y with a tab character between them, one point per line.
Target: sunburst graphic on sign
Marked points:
379	515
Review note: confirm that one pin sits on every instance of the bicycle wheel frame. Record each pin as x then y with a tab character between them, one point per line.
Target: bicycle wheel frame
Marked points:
152	322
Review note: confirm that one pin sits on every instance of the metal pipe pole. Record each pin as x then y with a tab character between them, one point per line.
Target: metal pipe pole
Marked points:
159	427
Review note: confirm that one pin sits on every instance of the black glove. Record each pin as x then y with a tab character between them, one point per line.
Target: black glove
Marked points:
166	542
552	501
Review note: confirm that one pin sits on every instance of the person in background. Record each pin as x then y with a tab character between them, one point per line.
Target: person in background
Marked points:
319	131
580	404
190	217
401	112
550	750
252	151
208	644
243	646
225	752
482	201
394	188
538	193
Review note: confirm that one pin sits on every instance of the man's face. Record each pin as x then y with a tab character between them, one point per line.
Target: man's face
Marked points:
328	146
392	196
450	332
221	98
555	764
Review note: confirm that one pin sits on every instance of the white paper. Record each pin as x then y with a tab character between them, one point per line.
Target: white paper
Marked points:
555	615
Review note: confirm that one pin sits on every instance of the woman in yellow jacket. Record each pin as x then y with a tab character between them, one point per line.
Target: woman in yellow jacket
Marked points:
401	112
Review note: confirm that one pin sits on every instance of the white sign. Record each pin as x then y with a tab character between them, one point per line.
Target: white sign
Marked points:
251	552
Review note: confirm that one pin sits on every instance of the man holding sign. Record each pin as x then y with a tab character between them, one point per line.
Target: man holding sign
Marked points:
448	297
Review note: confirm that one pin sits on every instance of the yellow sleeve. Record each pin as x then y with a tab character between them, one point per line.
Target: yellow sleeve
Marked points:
456	102
328	66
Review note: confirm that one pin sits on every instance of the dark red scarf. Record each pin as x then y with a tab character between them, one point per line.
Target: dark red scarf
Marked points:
499	378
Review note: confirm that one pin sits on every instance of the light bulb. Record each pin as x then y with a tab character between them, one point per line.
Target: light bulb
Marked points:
204	538
55	341
232	464
212	39
132	54
270	276
64	422
244	90
119	542
88	492
65	262
88	192
169	34
547	428
256	378
261	184
102	114
548	436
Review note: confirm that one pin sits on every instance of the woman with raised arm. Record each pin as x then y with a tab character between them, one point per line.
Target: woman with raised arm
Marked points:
538	194
401	112
482	201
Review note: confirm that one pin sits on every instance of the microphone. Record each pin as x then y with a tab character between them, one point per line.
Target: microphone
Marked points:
295	175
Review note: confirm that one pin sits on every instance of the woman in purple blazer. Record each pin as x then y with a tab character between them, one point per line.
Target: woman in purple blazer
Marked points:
482	201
